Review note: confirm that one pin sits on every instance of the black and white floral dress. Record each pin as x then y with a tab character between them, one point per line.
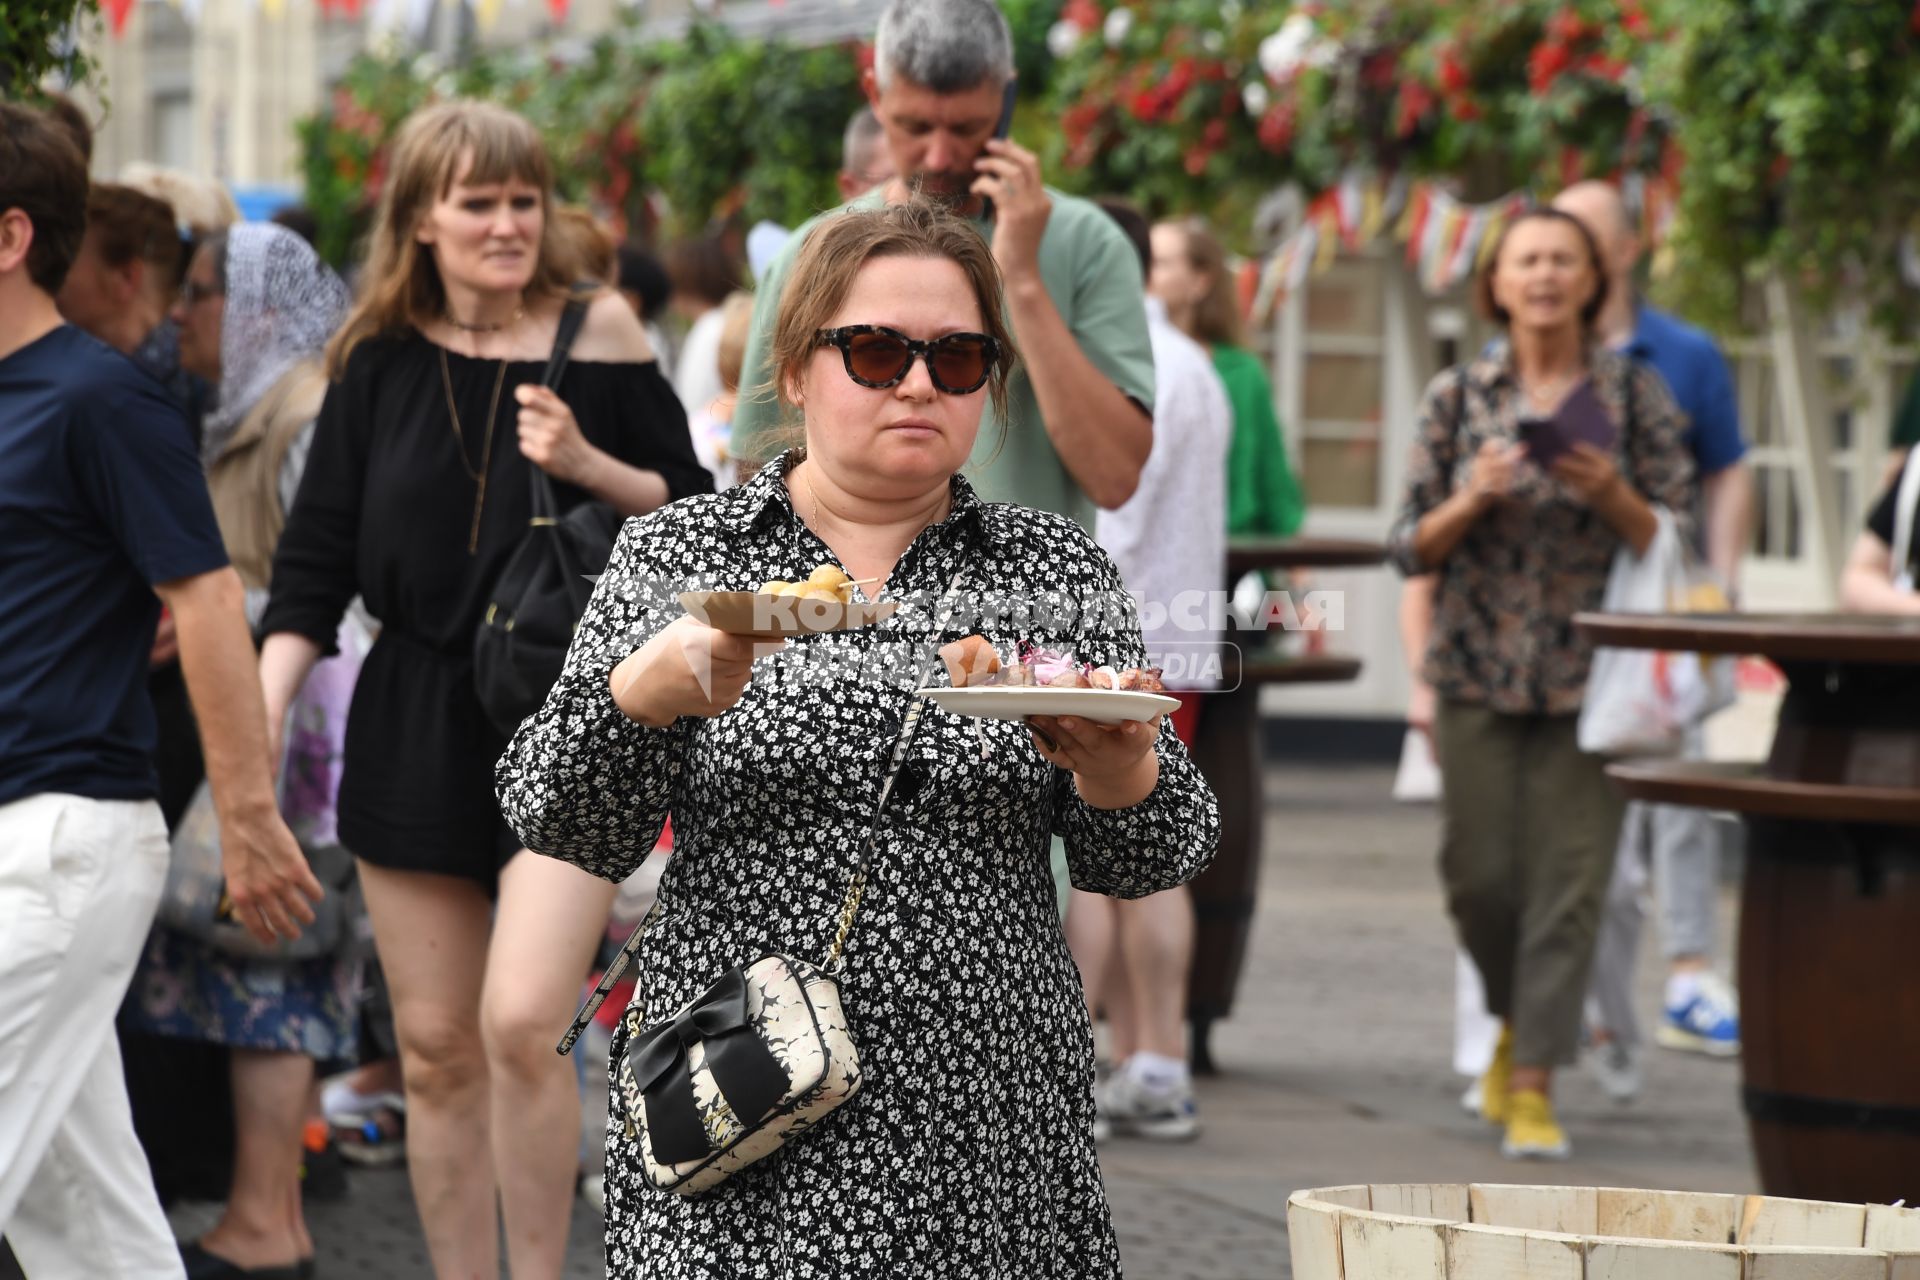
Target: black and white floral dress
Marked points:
968	1153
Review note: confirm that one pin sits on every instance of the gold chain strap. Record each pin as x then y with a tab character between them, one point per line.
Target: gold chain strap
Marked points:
855	891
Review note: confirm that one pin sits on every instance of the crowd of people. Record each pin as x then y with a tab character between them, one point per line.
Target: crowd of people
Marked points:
255	516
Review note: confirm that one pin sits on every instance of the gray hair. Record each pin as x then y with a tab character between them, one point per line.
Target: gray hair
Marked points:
948	46
862	139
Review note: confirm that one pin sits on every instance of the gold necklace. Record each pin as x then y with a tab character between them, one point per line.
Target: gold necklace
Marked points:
460	443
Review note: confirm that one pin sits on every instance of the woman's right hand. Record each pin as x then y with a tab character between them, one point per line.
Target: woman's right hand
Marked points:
1494	468
687	669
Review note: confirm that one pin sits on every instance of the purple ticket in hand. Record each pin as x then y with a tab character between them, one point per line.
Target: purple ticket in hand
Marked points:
1581	418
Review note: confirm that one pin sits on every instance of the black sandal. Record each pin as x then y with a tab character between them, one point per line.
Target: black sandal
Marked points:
204	1265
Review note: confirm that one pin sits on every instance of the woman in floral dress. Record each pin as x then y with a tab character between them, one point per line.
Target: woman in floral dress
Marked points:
968	1151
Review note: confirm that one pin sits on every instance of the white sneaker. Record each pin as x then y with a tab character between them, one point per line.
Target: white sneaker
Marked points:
1615	1068
1470	1100
1164	1115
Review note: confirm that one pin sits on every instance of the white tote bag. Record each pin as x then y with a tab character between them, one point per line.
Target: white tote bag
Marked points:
1643	701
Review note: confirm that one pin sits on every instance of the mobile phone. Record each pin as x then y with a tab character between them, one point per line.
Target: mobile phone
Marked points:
1008	95
1543	440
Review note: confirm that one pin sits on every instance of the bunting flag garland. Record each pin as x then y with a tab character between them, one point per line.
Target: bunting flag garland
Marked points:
117	13
1445	240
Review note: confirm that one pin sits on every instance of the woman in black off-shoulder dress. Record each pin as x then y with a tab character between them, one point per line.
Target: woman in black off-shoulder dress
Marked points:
415	495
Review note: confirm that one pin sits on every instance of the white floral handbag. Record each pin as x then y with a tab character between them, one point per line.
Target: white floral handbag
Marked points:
762	1055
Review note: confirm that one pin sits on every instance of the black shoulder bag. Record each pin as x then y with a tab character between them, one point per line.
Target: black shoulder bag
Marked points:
536	603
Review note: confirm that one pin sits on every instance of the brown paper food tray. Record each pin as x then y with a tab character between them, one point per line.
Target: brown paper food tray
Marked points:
748	613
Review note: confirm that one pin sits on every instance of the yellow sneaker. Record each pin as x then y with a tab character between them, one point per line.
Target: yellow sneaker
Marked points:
1494	1083
1532	1132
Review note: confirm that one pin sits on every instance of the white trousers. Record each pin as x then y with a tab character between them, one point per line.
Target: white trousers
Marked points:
79	882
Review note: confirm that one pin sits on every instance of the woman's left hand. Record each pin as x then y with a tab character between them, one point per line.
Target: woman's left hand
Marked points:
1114	765
1587	473
550	438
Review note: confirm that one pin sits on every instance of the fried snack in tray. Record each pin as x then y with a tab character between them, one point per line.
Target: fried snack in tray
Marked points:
828	582
972	662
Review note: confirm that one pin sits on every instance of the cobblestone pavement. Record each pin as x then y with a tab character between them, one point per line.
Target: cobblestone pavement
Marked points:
1335	1068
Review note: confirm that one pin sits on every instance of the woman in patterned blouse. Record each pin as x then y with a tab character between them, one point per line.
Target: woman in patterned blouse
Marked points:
968	1151
1517	549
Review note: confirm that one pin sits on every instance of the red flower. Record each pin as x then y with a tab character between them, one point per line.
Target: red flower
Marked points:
1453	73
1415	101
1196	161
1276	127
1633	20
1178	81
1084	14
1144	105
1214	136
1605	68
1566	27
1545	64
1379	71
1463	108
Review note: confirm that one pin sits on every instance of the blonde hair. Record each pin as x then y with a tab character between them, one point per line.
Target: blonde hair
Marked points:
836	250
1216	317
401	286
201	205
736	322
586	245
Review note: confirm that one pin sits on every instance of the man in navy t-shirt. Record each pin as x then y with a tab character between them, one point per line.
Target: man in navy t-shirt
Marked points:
104	514
1679	843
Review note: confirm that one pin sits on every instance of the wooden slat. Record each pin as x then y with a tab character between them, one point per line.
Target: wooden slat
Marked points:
1640	1260
1668	1215
1499	1253
1386	1247
1903	1266
1356	1196
1748	788
1445	1201
1808	1224
1313	1236
1784	1263
1573	1210
1895	1230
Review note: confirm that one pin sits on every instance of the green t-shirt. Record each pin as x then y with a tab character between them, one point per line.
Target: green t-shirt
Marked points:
1093	275
1262	495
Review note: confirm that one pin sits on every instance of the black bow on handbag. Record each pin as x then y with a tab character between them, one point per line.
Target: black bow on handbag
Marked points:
748	1075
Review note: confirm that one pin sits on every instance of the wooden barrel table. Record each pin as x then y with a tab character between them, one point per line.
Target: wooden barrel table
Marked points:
1228	750
1829	949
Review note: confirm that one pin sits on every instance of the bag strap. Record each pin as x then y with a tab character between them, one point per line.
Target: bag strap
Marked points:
856	888
572	316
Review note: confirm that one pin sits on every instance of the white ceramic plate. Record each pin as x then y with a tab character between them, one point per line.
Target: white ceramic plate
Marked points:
1107	706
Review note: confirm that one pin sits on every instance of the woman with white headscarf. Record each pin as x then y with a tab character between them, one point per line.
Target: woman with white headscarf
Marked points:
254	314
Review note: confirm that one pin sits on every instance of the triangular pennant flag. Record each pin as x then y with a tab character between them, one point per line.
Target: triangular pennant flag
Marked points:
558	8
117	13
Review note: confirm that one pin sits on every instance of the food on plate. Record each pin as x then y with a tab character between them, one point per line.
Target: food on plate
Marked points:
827	583
970	661
973	662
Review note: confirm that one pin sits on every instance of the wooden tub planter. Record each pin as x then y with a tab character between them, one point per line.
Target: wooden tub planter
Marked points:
1494	1232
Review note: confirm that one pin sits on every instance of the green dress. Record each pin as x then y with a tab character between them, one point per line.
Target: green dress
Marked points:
1263	497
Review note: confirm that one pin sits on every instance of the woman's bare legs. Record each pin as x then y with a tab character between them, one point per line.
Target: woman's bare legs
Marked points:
432	934
548	927
262	1224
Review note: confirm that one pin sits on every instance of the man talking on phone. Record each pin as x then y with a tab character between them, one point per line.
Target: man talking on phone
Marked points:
1078	431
